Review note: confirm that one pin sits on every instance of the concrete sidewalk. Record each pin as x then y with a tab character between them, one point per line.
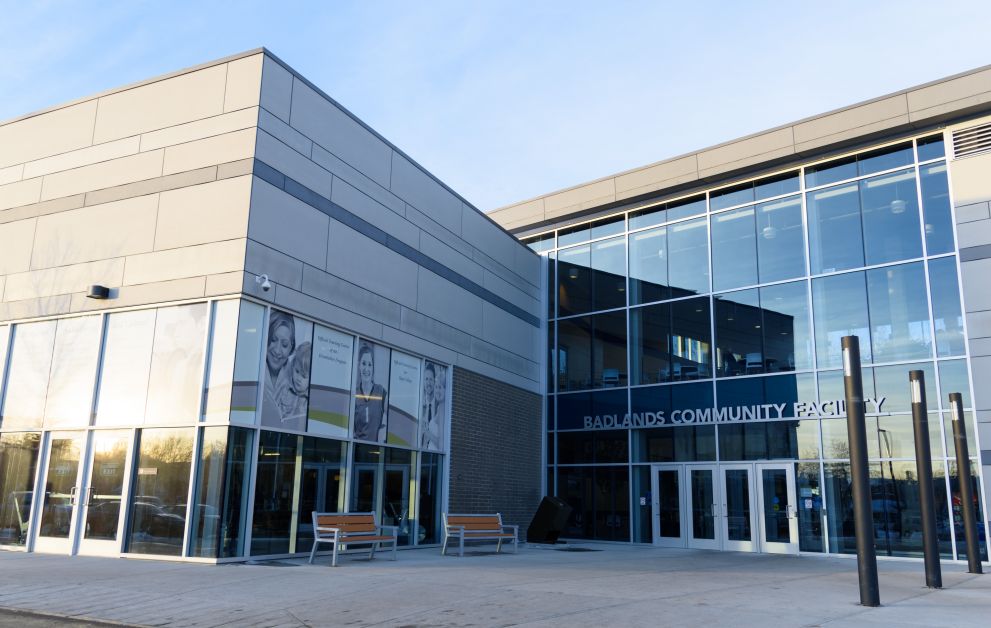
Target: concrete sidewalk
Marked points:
612	586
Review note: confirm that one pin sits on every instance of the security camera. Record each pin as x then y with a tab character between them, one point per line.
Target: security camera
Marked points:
263	281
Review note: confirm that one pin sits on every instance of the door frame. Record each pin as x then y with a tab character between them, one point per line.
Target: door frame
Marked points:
92	547
714	543
792	508
58	545
732	545
658	540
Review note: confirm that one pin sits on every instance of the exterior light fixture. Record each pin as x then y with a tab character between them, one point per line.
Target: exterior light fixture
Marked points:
97	291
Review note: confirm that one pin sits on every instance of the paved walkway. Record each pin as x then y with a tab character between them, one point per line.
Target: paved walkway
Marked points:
617	585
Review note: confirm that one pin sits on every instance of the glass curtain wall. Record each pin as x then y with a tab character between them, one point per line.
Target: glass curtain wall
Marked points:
739	298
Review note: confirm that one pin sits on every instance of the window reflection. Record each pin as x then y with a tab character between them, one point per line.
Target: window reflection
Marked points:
592	351
936	208
18	465
176	378
840	307
27	381
734	249
891	218
126	363
780	241
688	261
947	312
899	313
835	235
70	390
161	486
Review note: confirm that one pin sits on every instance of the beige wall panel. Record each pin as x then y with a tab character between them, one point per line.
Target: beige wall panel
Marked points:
276	94
42	209
530	211
3	284
969	177
208	127
212	150
785	151
851	119
165	103
16	239
851	134
949	91
47	134
32	308
63	280
654	175
20	193
224	283
598	192
203	213
103	175
11	174
157	292
287	224
82	157
745	149
244	83
191	261
96	232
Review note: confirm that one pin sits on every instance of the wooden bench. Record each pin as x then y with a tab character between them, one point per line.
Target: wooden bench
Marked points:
478	528
351	528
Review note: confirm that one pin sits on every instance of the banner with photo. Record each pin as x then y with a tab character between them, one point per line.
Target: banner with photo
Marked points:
434	403
288	353
371	381
404	397
330	382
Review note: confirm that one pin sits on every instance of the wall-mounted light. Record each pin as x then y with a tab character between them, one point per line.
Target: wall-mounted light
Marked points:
97	291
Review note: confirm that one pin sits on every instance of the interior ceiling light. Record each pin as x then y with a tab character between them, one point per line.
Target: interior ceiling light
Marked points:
898	206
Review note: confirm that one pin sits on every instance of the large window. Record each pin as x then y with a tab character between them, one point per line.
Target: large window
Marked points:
592	351
671	341
220	512
275	492
18	465
27	382
70	388
160	491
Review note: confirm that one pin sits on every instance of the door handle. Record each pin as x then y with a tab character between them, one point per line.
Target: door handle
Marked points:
89	496
73	493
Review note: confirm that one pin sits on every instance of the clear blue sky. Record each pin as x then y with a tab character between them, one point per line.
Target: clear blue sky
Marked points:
509	100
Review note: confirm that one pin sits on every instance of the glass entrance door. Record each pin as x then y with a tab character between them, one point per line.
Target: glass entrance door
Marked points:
703	506
778	514
668	504
85	481
686	505
738	521
60	493
102	495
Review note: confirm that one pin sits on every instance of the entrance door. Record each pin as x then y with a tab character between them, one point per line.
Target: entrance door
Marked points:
60	493
703	506
102	497
738	520
667	488
778	512
84	489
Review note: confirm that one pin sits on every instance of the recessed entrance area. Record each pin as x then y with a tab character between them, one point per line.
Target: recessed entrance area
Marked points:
746	507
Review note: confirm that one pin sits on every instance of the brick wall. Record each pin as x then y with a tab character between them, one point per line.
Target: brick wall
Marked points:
495	449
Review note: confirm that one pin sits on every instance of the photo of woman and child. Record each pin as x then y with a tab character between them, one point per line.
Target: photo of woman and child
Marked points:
287	371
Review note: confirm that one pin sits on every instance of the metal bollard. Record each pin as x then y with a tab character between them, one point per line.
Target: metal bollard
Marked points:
966	486
857	433
924	469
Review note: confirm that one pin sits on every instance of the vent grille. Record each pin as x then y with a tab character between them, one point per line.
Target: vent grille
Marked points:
976	139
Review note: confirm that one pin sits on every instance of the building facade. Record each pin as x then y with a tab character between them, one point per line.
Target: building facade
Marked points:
694	313
291	316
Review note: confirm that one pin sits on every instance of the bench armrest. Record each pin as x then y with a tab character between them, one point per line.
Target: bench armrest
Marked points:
327	529
454	529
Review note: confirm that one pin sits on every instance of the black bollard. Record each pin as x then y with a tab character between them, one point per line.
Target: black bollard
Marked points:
863	516
924	468
966	485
